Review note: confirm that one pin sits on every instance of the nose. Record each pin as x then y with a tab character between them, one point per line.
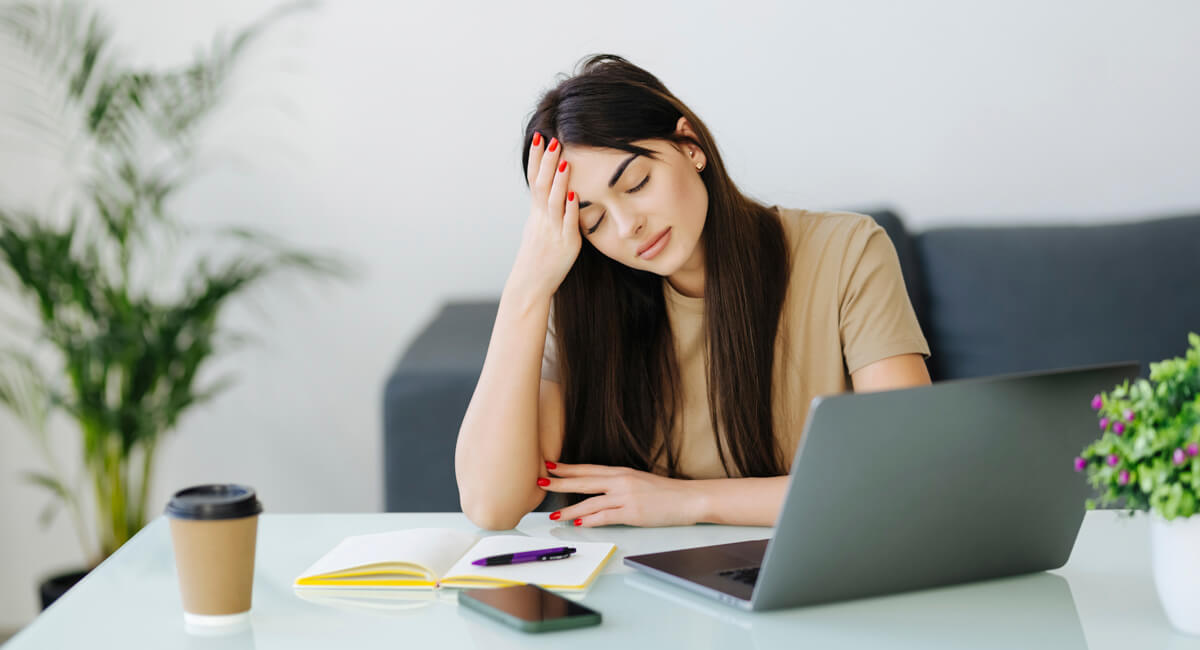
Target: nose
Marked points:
628	223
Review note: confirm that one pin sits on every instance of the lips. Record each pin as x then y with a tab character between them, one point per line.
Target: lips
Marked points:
651	244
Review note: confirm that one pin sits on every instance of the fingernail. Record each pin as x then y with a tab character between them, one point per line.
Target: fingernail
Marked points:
570	197
562	167
537	139
543	482
550	465
555	515
578	522
553	144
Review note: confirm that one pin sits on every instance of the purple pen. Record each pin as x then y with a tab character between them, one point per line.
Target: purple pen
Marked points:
558	553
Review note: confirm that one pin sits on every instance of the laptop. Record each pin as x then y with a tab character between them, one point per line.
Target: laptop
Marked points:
909	489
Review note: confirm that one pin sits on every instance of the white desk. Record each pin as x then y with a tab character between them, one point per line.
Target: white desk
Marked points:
1103	598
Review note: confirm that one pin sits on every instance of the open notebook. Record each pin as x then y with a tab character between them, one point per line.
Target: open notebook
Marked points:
428	558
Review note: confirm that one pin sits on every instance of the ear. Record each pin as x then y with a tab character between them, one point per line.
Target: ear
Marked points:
695	154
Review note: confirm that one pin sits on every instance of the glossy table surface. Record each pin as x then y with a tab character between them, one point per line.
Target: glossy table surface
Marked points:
1103	598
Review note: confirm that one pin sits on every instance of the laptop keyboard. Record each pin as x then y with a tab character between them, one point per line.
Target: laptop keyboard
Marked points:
747	576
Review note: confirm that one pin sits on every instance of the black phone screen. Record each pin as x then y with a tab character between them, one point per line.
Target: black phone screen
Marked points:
529	603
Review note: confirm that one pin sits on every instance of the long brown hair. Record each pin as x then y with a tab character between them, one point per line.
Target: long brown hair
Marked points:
615	349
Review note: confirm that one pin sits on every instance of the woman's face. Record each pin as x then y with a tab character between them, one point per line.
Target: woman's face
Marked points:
646	213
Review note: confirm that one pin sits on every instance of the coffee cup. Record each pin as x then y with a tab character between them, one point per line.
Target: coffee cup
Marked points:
213	531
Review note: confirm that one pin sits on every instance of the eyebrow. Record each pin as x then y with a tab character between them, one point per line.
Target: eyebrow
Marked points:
615	177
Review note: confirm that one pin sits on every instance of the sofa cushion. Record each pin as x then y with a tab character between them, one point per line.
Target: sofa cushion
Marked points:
456	339
1011	299
423	405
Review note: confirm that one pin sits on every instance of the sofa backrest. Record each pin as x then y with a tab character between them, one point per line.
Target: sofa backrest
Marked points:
1012	299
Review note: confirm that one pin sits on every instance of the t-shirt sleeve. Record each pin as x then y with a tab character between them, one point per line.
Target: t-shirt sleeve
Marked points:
876	317
550	354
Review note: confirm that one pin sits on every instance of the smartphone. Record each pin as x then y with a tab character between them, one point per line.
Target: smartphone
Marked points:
529	608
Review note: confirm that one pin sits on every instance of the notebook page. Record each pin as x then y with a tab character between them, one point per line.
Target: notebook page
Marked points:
574	572
434	549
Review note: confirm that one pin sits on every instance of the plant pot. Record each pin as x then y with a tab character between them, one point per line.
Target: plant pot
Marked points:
1175	553
55	586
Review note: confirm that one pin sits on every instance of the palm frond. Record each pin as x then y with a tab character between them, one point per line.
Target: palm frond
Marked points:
286	257
24	392
129	361
67	39
185	95
49	512
31	125
126	197
48	482
42	259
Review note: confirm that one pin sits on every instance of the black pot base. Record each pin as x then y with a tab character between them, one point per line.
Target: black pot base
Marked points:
55	586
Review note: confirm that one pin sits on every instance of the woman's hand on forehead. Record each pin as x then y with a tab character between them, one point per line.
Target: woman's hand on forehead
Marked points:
551	240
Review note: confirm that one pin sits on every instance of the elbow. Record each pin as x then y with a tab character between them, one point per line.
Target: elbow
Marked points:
490	516
488	507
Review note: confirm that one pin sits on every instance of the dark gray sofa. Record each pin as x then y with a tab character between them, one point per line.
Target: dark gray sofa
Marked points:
990	300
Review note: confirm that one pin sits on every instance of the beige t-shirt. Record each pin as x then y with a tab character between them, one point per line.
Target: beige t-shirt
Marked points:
846	307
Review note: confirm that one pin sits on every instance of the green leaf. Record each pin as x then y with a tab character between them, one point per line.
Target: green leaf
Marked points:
46	516
50	483
1187	504
1121	392
24	392
1146	482
1171	505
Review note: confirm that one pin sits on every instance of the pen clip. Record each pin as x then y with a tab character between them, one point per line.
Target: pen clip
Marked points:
558	555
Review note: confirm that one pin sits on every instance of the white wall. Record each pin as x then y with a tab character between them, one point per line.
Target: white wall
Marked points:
391	131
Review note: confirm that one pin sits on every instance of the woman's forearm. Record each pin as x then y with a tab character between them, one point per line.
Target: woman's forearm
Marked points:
497	458
740	501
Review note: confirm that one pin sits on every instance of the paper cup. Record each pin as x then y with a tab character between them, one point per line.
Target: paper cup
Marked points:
213	531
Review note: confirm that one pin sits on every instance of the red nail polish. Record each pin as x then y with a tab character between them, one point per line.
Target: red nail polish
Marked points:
553	144
555	515
550	465
543	482
562	167
537	139
570	197
578	522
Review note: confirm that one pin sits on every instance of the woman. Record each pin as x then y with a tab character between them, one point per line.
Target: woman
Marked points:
660	335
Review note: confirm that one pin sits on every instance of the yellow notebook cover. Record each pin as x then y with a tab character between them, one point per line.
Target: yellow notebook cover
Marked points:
429	558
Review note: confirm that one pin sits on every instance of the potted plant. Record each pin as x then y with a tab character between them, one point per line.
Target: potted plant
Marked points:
1148	458
110	342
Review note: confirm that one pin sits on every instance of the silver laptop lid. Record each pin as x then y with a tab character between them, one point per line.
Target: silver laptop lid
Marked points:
958	481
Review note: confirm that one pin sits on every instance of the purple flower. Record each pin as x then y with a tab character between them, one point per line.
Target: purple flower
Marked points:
1123	477
1104	424
1118	428
1178	457
1193	449
1080	464
1097	403
1113	460
1129	415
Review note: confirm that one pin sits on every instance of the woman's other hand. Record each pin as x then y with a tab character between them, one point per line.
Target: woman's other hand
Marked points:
551	239
624	496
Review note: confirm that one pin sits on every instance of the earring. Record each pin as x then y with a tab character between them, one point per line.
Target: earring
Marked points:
700	167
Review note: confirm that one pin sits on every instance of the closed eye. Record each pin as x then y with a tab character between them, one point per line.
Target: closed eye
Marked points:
631	190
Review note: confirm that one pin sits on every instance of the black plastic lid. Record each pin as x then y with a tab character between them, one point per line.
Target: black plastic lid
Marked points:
214	502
